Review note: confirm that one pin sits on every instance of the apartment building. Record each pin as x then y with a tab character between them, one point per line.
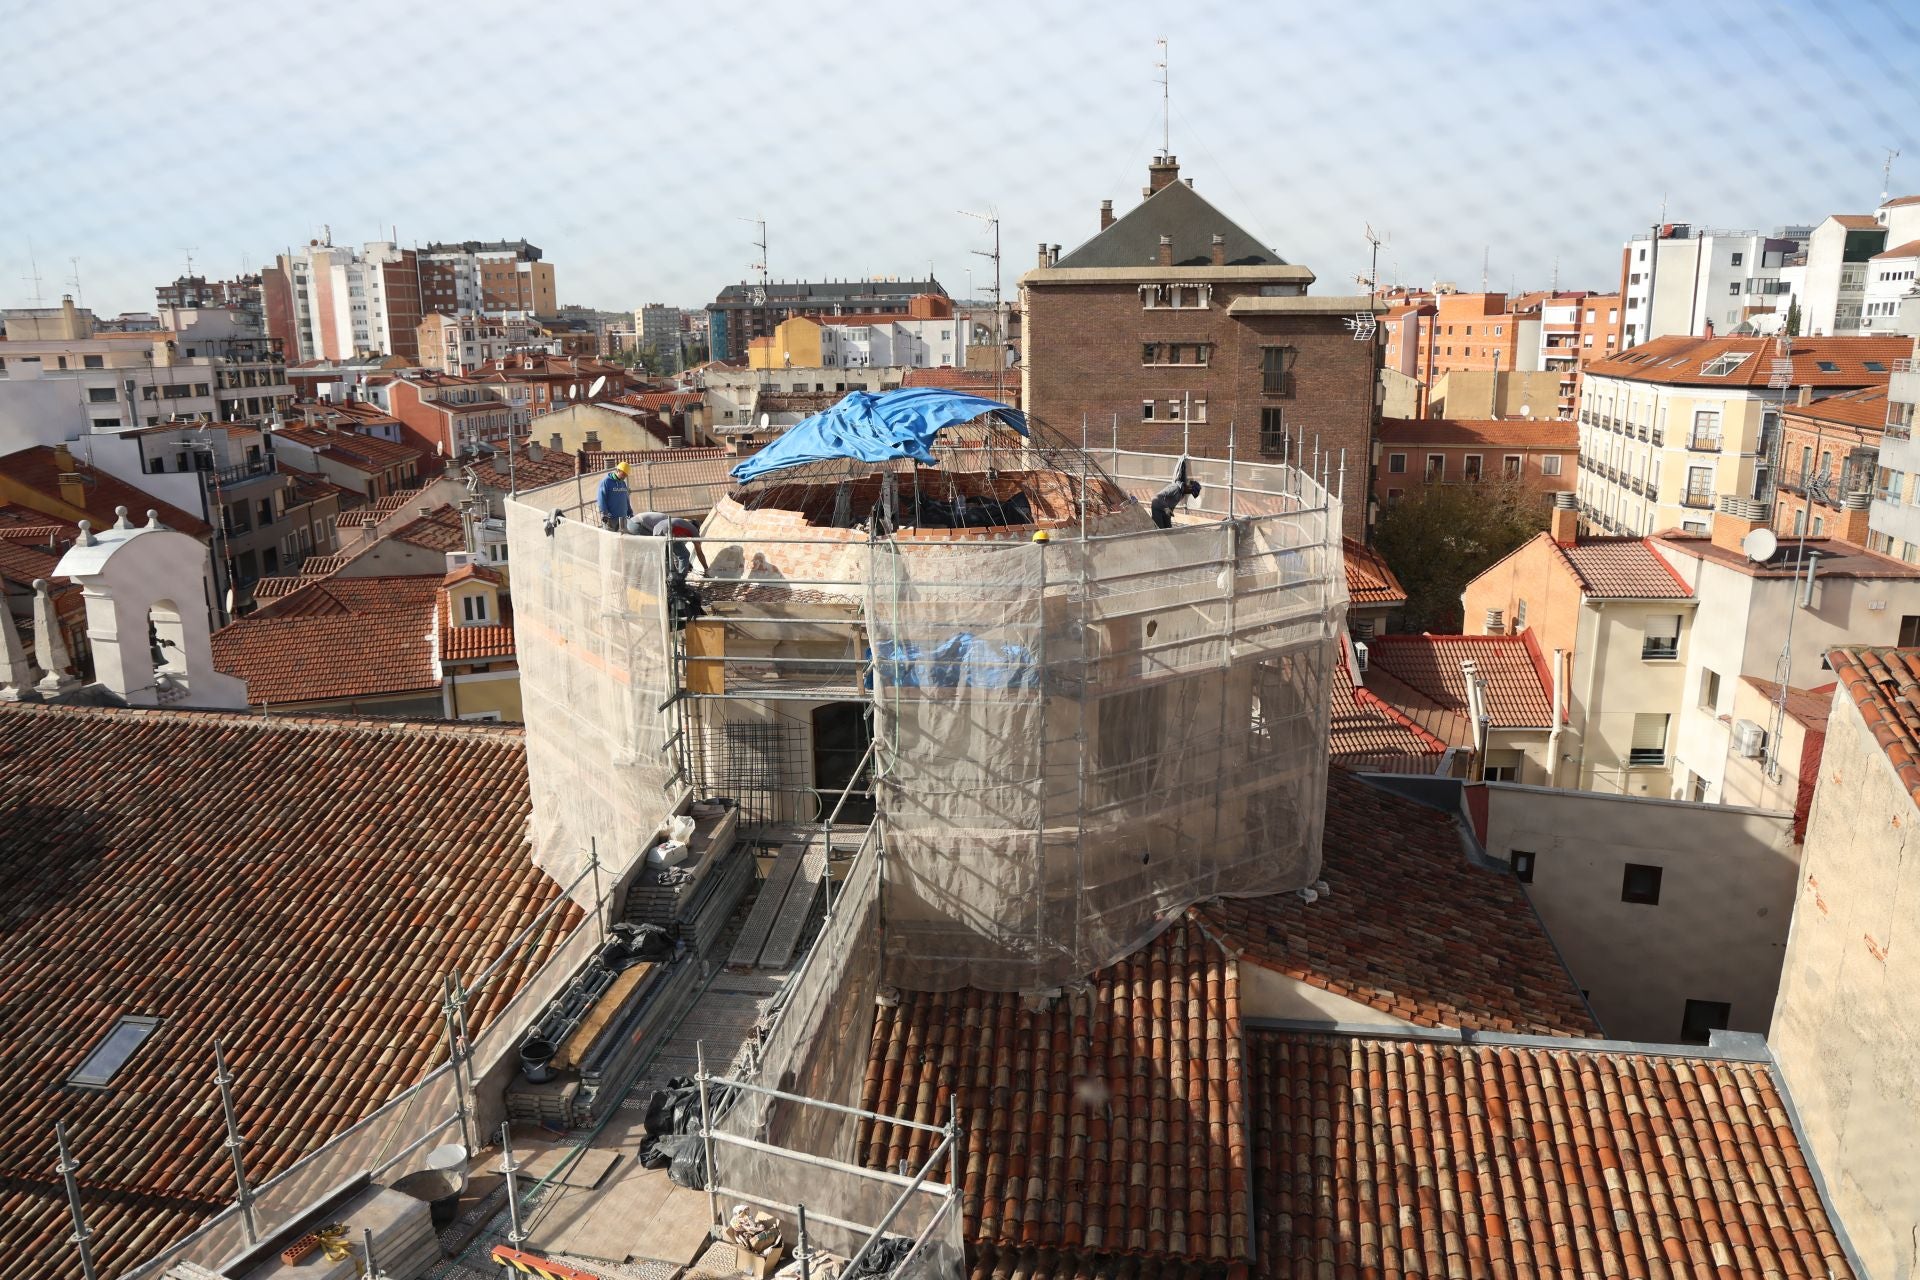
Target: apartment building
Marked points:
1684	280
1471	332
1413	455
1174	329
1677	428
337	303
659	326
1613	621
330	444
497	278
749	310
197	293
1893	516
930	335
1829	456
447	416
63	375
461	342
1858	268
1489	393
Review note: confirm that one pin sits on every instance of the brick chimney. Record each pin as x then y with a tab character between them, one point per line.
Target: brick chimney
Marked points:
1729	531
1043	255
1219	250
1166	251
1564	522
72	491
1106	214
1163	172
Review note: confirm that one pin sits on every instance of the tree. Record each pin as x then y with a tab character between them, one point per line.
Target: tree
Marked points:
1793	319
1437	543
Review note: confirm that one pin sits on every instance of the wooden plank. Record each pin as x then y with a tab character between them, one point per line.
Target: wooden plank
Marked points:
766	908
706	640
785	934
610	1004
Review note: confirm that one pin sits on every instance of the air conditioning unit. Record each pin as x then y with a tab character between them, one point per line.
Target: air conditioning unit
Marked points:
1360	655
1748	739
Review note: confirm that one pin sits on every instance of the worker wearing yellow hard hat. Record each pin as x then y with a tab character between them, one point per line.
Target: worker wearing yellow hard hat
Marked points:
616	504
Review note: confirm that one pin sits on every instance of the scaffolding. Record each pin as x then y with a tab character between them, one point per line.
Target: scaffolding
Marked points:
1073	738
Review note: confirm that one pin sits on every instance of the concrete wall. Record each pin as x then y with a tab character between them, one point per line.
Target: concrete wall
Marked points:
1267	994
1846	1030
1718	932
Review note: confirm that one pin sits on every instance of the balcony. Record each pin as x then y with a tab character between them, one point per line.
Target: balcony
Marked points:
1646	757
244	473
1698	501
1704	442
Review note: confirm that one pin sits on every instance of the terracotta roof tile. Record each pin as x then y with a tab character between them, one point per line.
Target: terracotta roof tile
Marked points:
293	887
1365	733
1911	249
472	643
1866	407
1621	569
1679	359
1409	926
37	471
1111	1122
1518	695
1809	707
1497	432
352	448
1369	580
1386	1157
1857	221
1885	685
334	641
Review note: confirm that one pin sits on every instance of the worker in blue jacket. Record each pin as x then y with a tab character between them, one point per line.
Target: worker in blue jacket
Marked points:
615	503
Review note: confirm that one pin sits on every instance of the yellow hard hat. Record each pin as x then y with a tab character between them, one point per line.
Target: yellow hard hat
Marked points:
1040	535
622	468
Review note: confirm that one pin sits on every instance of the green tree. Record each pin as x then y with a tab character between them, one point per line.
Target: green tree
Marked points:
1442	540
1793	318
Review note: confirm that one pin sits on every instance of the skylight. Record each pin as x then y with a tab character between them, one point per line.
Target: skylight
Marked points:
1722	365
1876	366
111	1054
1828	366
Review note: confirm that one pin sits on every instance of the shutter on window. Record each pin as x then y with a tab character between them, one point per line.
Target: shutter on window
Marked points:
1649	733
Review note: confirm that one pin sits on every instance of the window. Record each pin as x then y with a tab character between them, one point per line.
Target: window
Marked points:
1510	466
99	362
486	717
473	608
1697	788
1550	465
1520	615
1273	431
1734	288
1523	865
99	395
1828	366
1738	258
1436	467
1709	689
1146	411
98	1069
1276	370
1660	637
1909	631
1396	464
1699	487
1394	496
1649	745
1702	1018
1640	884
1472	468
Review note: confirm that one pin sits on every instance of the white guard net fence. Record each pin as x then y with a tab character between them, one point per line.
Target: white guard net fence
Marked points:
1074	740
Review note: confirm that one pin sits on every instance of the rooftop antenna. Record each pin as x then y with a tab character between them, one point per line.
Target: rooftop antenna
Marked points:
1886	174
1555	286
1166	98
33	278
79	299
188	250
1375	239
760	290
992	219
1485	251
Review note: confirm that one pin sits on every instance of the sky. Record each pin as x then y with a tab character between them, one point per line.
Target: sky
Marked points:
636	143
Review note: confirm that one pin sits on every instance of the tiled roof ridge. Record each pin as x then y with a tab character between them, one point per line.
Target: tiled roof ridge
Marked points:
1439	637
1368	697
1666	564
280	721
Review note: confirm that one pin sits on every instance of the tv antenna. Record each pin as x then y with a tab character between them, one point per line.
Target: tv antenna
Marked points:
1886	173
1166	97
1374	239
79	299
188	250
33	276
992	219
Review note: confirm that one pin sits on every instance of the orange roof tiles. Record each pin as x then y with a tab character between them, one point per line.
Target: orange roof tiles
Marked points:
1911	249
1111	1121
1621	569
1369	579
36	470
350	448
1857	221
1809	707
1409	927
336	641
1365	733
1518	694
1885	685
471	643
1512	433
1392	1157
294	887
438	530
1866	407
1678	359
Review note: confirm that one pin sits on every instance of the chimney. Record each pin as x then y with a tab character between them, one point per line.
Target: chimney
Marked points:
1805	398
1166	251
1219	250
1106	214
1564	521
1163	172
555	443
534	451
1053	255
1730	531
1043	263
73	491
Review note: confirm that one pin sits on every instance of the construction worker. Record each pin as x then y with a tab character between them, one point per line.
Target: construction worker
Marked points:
1173	495
674	528
615	502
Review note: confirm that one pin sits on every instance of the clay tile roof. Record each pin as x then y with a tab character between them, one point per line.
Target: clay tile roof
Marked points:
1866	407
1857	221
1518	695
335	641
1369	580
1682	360
1807	706
1382	1157
473	643
438	530
1512	433
993	1262
1365	733
294	887
1911	249
1409	926
36	470
1621	569
1885	685
1108	1122
468	572
526	472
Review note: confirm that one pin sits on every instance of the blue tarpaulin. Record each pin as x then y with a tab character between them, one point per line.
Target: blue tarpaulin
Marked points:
962	661
876	428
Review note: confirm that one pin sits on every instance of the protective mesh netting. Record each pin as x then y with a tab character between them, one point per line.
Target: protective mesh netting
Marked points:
1073	740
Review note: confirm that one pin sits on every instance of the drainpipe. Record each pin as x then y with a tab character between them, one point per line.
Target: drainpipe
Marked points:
1559	715
1477	715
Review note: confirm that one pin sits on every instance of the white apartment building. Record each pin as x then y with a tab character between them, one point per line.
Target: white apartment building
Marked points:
1678	428
62	376
1894	516
1845	271
1685	278
1890	282
862	341
336	302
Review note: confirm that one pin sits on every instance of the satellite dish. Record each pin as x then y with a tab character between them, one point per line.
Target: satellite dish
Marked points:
599	385
1760	545
766	421
573	391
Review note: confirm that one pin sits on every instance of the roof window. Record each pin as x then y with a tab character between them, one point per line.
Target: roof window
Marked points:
1827	366
1722	365
103	1064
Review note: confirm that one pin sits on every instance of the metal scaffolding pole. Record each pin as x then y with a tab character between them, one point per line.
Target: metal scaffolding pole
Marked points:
449	1006
516	1234
235	1143
80	1235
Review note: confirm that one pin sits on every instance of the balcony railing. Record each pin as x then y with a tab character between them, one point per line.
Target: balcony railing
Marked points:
242	472
1700	501
1644	757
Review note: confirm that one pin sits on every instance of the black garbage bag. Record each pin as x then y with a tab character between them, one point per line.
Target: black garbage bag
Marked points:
686	1161
652	1157
887	1253
676	1108
650	942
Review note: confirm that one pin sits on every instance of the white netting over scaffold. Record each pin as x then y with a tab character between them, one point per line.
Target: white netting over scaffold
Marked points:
1074	739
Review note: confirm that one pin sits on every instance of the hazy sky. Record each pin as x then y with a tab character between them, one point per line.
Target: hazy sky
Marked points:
630	141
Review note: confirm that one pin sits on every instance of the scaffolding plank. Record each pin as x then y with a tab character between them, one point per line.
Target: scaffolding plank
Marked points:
766	908
785	934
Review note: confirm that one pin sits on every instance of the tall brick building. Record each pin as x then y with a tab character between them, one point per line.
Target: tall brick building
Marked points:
1173	325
